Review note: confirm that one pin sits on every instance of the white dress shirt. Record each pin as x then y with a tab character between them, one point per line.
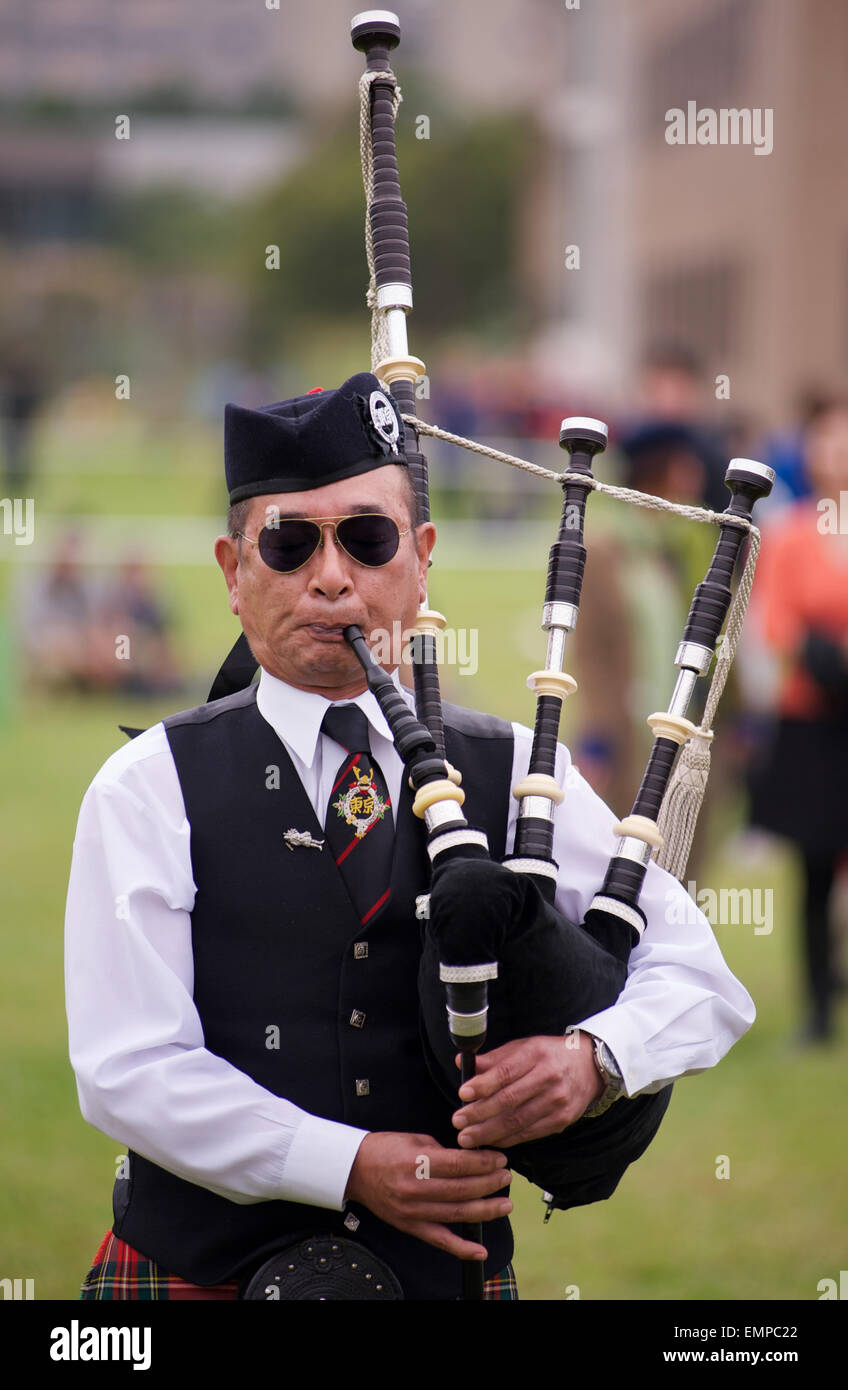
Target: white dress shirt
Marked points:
143	1073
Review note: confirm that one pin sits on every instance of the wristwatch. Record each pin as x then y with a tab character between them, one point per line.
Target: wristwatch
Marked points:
611	1073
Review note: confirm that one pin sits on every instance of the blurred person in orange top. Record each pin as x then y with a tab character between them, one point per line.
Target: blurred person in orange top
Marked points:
798	788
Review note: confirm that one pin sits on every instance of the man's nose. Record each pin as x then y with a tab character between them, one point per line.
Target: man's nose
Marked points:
330	575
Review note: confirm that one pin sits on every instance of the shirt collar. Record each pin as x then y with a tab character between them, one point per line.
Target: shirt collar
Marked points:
295	715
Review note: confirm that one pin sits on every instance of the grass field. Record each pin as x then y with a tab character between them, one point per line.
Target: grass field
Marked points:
770	1230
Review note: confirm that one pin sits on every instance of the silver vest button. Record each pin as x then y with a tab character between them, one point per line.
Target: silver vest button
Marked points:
357	1019
363	1087
360	950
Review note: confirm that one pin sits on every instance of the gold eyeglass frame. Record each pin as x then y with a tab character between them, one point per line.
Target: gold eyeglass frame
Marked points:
320	522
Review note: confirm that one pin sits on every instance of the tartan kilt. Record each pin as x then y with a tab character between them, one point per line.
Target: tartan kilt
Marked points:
120	1272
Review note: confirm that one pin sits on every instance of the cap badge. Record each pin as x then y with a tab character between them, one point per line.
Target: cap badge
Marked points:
384	419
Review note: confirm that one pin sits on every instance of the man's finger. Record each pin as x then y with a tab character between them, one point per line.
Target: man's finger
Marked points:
460	1189
454	1164
516	1094
498	1069
542	1129
446	1239
508	1126
459	1213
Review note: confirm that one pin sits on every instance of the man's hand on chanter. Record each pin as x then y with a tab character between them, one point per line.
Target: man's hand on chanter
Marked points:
415	1184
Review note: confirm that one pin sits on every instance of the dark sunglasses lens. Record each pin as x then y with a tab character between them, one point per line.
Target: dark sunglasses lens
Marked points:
288	545
372	540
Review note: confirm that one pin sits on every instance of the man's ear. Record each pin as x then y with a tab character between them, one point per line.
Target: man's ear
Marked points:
227	555
425	539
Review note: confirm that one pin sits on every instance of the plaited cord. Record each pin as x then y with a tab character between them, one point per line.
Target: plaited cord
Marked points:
683	797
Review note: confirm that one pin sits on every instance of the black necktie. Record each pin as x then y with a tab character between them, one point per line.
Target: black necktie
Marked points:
358	824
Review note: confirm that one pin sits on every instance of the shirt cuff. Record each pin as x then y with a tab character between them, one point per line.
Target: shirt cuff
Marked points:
319	1161
601	1026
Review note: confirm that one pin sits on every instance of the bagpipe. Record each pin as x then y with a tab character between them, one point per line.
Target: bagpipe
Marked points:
497	954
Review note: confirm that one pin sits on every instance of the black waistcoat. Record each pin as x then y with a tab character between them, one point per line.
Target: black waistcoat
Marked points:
277	945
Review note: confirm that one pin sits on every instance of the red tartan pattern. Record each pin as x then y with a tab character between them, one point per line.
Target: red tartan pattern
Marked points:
119	1272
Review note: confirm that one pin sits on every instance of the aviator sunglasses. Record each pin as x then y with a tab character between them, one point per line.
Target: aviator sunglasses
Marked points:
369	538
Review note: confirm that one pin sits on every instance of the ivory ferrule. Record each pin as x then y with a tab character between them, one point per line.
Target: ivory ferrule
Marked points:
442	790
539	784
640	828
673	726
454	775
557	683
429	622
399	368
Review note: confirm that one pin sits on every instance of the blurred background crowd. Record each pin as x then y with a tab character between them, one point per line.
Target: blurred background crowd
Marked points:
181	219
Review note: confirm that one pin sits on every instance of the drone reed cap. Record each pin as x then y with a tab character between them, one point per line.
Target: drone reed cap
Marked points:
583	431
748	480
375	24
753	473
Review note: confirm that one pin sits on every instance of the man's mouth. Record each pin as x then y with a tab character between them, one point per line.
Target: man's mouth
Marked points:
327	632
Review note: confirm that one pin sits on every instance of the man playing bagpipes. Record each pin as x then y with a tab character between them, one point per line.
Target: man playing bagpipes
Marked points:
244	928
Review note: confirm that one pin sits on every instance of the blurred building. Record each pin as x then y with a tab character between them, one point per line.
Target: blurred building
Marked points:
742	256
94	48
749	256
482	54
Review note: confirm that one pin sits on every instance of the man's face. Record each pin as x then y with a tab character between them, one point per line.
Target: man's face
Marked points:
294	622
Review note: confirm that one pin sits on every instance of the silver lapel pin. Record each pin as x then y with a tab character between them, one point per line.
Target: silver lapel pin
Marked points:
302	839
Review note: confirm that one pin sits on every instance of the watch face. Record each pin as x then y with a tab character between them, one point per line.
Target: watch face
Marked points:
608	1061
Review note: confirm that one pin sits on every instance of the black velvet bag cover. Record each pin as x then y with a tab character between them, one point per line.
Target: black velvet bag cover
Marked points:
551	975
